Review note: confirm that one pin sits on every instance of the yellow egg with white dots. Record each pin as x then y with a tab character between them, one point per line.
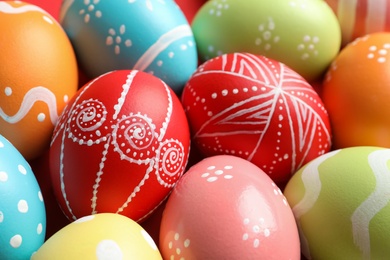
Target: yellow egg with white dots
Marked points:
100	236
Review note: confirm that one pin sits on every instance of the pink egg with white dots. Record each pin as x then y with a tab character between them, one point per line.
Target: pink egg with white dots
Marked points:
225	207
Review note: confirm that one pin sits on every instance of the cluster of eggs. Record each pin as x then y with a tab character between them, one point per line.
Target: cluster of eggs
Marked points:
220	129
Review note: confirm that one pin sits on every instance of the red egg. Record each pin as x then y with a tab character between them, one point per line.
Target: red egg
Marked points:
120	146
258	109
225	207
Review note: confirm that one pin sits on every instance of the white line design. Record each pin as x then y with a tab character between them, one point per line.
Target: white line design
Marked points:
312	185
378	199
161	44
9	9
34	95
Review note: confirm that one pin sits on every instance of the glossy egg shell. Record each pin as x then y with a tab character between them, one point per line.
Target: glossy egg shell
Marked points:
225	207
38	75
258	109
305	35
356	95
120	146
100	236
22	210
361	17
341	203
151	36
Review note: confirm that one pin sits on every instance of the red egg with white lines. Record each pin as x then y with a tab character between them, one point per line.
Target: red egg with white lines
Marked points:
360	17
120	146
225	207
258	109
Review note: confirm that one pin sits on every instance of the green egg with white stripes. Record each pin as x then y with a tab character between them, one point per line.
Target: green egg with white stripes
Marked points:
341	203
305	35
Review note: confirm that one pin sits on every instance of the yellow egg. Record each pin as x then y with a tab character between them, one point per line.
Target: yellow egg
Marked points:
100	236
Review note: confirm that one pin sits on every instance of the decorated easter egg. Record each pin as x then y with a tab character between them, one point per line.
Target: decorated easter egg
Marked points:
356	94
38	75
341	204
258	109
361	17
225	207
100	236
305	35
151	36
120	146
22	210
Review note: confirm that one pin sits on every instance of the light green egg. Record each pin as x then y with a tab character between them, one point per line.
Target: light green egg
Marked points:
341	204
303	34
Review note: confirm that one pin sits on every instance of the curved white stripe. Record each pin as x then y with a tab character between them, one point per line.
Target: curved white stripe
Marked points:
122	98
346	12
374	203
64	9
161	44
9	9
376	15
312	183
33	95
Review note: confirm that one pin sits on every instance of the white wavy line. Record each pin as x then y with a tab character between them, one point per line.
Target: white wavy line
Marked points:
33	95
161	44
9	9
64	9
312	184
377	200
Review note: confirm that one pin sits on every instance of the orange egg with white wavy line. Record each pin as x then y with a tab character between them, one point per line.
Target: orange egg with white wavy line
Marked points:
38	75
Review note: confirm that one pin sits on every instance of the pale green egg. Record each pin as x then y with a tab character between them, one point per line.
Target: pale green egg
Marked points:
341	203
303	34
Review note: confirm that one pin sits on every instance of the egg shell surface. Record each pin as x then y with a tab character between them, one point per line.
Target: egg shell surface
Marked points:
356	95
38	75
151	36
100	236
361	17
22	210
119	146
305	35
341	203
225	207
258	109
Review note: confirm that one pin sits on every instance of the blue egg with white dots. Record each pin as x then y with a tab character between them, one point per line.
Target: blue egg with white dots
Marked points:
22	209
147	35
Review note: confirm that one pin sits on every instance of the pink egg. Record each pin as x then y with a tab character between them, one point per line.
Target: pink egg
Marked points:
360	17
120	146
257	109
225	207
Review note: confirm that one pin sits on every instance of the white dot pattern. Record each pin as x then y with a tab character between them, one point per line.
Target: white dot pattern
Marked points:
108	250
213	174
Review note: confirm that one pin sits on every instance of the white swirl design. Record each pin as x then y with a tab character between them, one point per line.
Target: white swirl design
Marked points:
361	218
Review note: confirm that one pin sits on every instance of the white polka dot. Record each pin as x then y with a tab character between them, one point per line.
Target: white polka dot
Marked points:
211	168
1	144
176	237
22	170
267	232
23	206
218	172
39	229
149	239
16	241
3	176
8	91
108	250
84	219
187	243
212	179
1	216
228	177
256	243
205	175
245	236
41	117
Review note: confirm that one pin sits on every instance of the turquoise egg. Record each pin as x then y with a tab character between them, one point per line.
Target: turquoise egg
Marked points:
152	36
22	209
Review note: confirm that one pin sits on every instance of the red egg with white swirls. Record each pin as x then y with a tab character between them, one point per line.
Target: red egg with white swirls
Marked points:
258	109
120	146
